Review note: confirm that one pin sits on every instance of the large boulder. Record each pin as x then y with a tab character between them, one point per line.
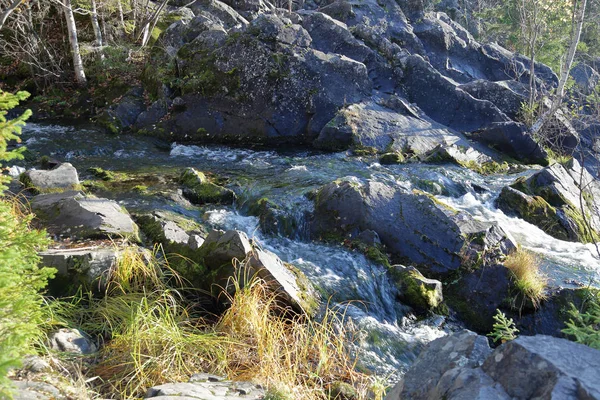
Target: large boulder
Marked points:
559	199
514	139
586	78
545	367
411	224
262	83
230	254
393	126
462	366
507	95
433	92
443	356
62	177
75	215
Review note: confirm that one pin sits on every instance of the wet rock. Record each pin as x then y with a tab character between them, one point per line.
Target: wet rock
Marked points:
415	290
75	267
219	251
552	199
410	223
477	295
200	190
514	139
461	350
545	367
75	215
221	247
71	341
61	177
206	387
162	227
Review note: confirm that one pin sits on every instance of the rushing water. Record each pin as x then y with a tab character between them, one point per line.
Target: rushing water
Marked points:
392	337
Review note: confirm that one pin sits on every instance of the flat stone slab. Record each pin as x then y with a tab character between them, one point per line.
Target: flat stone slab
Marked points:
206	387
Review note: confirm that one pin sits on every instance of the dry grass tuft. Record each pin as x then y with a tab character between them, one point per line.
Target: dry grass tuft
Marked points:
525	268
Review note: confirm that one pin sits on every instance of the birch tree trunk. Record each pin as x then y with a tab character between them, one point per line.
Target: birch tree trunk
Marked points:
121	18
96	24
72	29
560	90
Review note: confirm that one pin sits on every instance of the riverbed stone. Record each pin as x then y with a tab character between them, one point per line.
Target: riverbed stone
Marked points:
68	340
200	190
556	199
410	224
416	290
76	215
62	177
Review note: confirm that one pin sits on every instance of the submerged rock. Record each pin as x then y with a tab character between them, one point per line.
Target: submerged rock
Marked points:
75	215
559	200
462	366
410	224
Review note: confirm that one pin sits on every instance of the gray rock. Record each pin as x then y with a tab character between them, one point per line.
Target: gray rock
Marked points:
75	215
514	139
88	267
410	224
206	387
506	95
71	341
369	237
163	228
32	390
195	241
271	28
152	115
200	190
550	199
123	115
62	177
373	125
35	364
432	92
249	8
223	13
546	368
461	350
586	78
222	247
332	36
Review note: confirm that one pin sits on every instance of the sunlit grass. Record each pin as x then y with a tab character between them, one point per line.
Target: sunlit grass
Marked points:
529	280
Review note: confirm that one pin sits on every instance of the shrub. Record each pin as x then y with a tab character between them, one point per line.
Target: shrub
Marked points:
527	277
504	329
584	325
21	278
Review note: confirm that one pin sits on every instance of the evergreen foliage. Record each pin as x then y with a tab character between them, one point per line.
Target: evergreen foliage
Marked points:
21	278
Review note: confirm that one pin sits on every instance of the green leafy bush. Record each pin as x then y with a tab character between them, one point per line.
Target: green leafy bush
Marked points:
21	278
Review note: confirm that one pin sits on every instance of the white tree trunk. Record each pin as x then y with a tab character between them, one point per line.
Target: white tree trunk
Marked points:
121	19
96	24
560	90
72	29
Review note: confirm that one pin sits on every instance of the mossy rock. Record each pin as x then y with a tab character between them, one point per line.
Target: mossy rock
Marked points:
199	189
391	158
415	290
342	391
102	173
